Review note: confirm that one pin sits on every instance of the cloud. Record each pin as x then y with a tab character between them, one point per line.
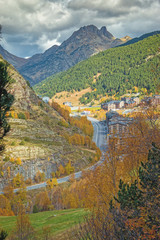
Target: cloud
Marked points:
46	43
33	26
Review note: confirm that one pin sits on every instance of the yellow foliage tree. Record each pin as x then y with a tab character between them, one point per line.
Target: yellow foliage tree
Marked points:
69	168
18	161
61	169
51	183
18	180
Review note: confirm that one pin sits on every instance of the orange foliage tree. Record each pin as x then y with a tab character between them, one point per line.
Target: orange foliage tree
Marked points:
5	207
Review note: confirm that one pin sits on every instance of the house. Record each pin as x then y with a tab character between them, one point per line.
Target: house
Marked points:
85	113
110	115
117	126
131	103
155	100
126	99
46	99
112	105
136	99
108	105
119	104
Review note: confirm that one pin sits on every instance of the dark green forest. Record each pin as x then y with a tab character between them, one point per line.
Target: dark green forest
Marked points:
121	69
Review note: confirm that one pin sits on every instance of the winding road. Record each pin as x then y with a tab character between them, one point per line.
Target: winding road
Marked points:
99	138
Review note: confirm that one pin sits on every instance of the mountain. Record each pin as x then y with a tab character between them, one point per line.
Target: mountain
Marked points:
17	62
137	39
111	72
36	136
82	44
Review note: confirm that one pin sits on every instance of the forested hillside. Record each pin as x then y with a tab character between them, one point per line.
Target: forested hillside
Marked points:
119	69
137	39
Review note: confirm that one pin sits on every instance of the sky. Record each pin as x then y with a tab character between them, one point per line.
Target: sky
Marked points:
32	26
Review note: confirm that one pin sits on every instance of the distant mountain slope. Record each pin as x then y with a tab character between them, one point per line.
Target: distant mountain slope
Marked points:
137	39
118	69
82	44
17	62
36	135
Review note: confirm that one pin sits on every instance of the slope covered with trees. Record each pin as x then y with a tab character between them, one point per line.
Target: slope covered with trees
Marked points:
119	69
137	39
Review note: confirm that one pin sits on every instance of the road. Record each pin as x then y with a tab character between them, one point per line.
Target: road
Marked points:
99	138
100	133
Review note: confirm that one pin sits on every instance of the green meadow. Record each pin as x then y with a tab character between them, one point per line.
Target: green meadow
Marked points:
58	221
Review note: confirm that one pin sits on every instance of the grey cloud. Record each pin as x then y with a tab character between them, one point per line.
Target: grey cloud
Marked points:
33	26
112	9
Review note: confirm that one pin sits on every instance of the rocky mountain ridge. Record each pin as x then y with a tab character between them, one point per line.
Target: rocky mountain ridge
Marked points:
82	44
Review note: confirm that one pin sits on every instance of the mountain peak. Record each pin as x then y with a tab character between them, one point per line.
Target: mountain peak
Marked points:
82	44
94	30
126	38
107	34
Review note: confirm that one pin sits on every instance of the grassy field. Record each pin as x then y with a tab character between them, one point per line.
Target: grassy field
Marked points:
59	221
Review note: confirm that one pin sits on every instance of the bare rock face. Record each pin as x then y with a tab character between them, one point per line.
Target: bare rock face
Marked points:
82	44
23	94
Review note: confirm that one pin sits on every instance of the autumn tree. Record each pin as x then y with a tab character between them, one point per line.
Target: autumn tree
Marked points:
56	198
5	207
137	139
42	201
39	177
19	199
139	202
18	180
134	214
6	100
8	191
69	168
51	183
61	169
23	229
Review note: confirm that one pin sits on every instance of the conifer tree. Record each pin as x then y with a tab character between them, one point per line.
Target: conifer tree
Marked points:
139	202
149	174
6	100
3	234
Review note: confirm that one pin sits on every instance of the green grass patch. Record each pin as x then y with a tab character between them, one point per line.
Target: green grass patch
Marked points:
58	220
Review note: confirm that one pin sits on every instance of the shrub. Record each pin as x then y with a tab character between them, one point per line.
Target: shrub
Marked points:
35	209
13	143
22	143
21	115
3	234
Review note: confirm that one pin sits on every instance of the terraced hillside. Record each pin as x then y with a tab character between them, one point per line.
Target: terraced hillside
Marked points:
36	136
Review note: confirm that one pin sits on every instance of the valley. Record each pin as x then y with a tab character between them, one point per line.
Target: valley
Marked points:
80	139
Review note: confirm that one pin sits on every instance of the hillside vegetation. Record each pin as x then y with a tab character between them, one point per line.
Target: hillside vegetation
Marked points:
36	141
120	69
